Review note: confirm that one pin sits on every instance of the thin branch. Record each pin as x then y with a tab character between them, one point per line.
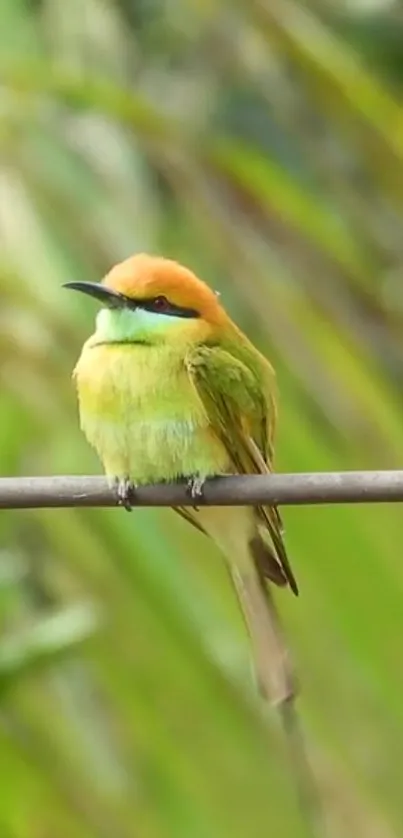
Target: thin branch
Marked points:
245	490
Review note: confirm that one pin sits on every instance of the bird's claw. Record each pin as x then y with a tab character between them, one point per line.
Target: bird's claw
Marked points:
195	486
125	489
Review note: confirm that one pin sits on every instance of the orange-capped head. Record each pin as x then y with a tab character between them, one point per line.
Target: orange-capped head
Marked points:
144	278
151	300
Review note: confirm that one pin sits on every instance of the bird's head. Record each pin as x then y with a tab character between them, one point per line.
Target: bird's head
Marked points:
149	299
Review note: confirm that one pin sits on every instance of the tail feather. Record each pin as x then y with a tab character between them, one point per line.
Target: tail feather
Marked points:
270	516
266	562
252	558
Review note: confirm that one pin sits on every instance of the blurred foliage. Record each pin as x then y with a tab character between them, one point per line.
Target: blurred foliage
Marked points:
261	143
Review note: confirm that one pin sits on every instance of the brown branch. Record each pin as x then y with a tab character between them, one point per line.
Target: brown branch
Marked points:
239	490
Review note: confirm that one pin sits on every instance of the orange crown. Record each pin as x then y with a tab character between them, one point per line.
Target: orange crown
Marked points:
143	277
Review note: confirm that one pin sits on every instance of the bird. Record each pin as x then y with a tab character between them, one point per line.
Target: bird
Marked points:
169	388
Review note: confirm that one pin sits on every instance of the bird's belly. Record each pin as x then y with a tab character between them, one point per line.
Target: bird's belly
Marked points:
150	451
144	418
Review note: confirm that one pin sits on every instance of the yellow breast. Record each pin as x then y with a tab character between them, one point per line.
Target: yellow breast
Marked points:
140	411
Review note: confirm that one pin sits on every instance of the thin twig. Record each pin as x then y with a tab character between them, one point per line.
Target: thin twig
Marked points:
239	490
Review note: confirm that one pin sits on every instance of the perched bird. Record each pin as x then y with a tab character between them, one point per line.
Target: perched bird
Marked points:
170	388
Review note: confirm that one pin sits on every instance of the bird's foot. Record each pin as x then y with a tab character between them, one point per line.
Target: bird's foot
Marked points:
125	490
195	487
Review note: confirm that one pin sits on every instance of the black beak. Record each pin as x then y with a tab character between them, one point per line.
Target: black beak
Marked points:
109	298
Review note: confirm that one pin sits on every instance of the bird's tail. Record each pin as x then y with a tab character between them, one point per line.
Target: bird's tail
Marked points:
271	663
266	562
252	564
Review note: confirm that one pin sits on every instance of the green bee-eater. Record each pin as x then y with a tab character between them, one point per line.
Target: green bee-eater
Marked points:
170	388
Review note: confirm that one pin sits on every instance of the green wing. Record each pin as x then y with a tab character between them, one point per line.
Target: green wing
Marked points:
238	396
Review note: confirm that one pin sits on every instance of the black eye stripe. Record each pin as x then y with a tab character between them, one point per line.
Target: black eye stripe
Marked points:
170	309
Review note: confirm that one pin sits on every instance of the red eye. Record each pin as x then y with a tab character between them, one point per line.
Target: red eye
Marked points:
160	304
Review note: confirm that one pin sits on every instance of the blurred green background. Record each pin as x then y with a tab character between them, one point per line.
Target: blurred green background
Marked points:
261	143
